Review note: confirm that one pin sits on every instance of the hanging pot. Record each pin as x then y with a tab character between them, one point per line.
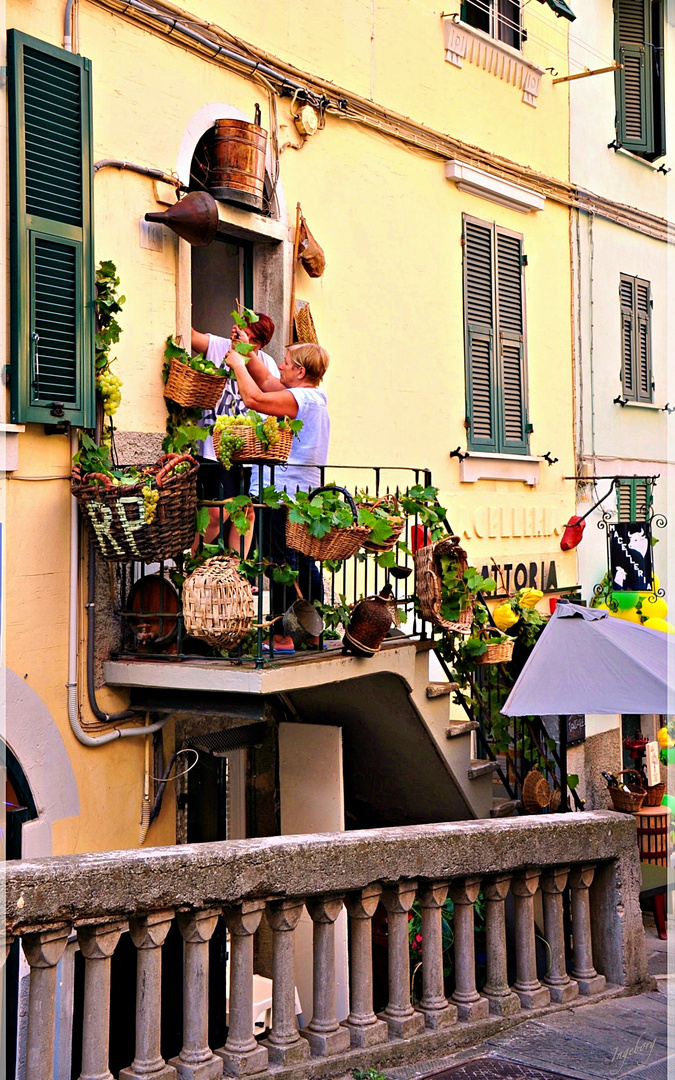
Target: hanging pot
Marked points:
302	621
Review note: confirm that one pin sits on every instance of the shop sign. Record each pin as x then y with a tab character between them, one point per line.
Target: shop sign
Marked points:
576	728
538	572
630	555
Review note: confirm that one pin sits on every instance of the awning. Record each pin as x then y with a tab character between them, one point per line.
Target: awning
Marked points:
560	8
587	662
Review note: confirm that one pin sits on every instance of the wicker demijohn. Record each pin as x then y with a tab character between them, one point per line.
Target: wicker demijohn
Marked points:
498	653
368	626
536	791
338	543
628	801
396	523
193	389
255	450
116	515
218	604
429	583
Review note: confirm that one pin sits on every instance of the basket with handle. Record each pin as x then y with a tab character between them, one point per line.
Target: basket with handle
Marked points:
218	603
193	389
536	791
499	652
396	523
428	583
628	801
338	543
253	449
116	514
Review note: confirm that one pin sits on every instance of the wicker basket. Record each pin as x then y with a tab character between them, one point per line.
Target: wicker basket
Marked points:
655	795
218	604
498	653
116	513
305	331
536	791
628	801
396	524
193	389
368	626
337	543
255	450
428	583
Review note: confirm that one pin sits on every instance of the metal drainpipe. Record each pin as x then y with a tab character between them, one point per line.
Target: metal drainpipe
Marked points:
143	170
67	27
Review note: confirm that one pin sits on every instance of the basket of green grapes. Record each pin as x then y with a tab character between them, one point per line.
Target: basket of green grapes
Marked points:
253	438
192	381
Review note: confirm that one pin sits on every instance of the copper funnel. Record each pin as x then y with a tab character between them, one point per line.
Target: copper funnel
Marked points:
194	218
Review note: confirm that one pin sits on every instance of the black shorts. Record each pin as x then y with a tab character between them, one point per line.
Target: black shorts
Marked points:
216	482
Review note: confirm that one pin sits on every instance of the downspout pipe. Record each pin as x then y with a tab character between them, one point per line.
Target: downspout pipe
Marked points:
142	170
68	27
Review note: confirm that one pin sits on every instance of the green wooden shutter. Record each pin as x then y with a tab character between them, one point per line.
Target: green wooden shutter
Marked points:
643	340
633	498
52	368
511	358
479	307
634	81
628	350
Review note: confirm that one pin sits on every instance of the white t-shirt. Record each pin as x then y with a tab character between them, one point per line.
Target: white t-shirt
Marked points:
310	446
230	403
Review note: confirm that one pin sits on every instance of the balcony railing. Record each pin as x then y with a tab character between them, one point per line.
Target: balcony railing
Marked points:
572	880
148	599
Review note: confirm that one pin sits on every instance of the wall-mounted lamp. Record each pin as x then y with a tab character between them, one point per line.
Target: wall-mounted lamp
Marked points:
547	457
459	453
618	400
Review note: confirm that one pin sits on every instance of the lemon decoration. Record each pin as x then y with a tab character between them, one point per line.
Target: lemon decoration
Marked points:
529	597
504	616
664	738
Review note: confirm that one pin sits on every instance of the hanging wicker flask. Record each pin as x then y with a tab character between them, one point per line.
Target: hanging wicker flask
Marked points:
536	791
218	604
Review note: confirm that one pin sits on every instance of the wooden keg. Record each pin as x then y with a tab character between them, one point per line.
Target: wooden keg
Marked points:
653	834
238	171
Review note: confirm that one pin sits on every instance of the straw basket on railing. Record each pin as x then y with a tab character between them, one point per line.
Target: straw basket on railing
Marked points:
338	543
396	523
255	450
193	389
218	604
116	516
428	583
499	652
536	791
628	801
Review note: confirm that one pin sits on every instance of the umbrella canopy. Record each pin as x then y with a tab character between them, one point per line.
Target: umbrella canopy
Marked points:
586	662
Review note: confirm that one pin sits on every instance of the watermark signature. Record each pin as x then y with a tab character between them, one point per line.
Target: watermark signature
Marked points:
637	1054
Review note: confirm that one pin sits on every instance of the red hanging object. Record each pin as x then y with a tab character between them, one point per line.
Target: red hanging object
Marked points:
420	536
574	531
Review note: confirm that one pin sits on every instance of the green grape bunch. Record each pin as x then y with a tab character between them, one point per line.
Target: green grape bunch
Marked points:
150	500
109	388
271	431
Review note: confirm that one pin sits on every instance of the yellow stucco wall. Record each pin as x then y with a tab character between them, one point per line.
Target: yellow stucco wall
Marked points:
389	307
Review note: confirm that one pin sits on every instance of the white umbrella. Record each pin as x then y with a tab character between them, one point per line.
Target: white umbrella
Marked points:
587	662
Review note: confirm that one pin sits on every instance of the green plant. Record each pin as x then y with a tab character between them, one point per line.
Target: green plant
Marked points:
184	438
319	513
368	1074
334	615
108	304
174	351
92	458
243	321
416	938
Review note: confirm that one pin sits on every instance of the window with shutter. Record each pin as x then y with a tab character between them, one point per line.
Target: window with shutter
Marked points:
499	18
52	368
636	348
496	387
633	498
640	85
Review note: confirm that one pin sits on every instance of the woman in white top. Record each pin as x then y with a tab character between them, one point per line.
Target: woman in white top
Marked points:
294	394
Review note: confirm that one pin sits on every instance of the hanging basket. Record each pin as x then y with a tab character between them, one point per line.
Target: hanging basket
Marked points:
396	524
428	582
193	389
253	449
536	791
370	620
500	652
338	543
627	802
116	513
218	603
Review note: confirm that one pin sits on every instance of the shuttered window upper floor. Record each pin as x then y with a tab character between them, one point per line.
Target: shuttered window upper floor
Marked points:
52	279
636	339
640	82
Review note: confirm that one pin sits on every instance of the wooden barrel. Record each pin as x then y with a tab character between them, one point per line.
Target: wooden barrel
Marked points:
152	614
653	834
238	171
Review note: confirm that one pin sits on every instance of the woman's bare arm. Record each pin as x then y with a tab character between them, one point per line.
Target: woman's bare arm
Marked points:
270	403
199	342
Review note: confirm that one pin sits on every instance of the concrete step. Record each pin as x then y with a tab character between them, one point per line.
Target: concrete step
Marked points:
505	807
480	768
460	727
441	689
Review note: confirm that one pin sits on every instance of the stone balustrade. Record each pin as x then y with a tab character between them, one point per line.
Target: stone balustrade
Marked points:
528	870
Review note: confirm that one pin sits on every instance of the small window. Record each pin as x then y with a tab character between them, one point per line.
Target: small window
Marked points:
634	498
636	339
52	306
496	384
640	82
499	18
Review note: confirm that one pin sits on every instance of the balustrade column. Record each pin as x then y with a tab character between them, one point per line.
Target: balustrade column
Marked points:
284	1044
323	1033
583	971
438	1012
363	1026
196	1061
502	1000
148	933
43	952
527	986
241	1054
470	1004
399	1015
97	944
561	987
